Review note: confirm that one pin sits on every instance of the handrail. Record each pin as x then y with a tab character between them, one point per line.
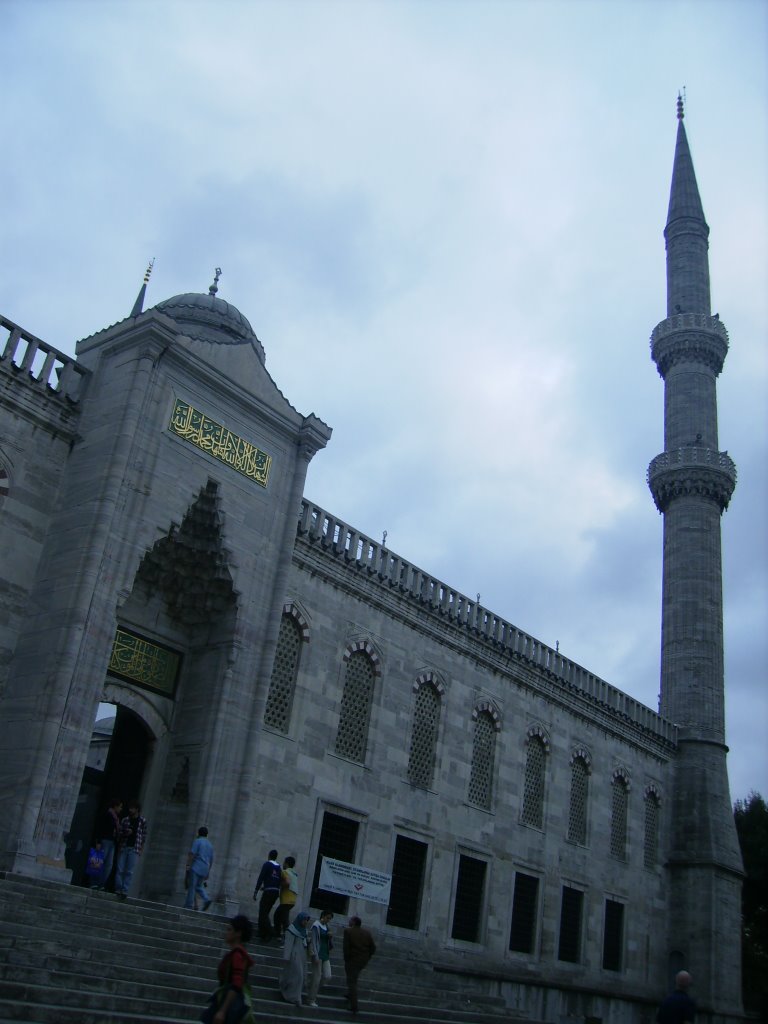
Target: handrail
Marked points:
43	364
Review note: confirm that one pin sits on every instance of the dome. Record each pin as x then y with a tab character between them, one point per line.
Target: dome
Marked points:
206	318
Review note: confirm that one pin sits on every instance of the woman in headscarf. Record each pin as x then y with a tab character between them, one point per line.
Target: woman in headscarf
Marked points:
295	956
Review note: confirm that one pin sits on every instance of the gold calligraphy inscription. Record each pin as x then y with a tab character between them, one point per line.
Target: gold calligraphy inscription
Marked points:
211	437
145	663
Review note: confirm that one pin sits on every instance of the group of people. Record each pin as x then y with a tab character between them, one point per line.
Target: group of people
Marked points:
307	943
121	837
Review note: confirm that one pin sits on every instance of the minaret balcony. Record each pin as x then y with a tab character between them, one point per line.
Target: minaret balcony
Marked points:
689	338
692	470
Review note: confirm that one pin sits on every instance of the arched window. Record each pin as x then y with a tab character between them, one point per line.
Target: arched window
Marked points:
577	811
533	792
651	836
619	805
285	668
483	750
356	702
426	717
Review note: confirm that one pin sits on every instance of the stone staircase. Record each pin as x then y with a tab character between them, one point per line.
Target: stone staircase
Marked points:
70	956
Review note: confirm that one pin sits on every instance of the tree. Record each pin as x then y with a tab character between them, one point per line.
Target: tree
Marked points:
751	817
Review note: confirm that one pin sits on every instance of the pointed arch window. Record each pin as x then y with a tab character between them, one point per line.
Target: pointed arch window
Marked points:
487	724
651	831
356	703
577	810
426	720
619	808
533	791
285	669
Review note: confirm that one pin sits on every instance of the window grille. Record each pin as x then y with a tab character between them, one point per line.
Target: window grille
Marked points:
426	712
338	839
468	905
569	948
651	843
577	812
481	773
285	667
613	936
533	794
619	818
356	700
523	931
407	882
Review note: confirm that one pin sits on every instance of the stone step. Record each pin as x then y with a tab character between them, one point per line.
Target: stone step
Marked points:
69	954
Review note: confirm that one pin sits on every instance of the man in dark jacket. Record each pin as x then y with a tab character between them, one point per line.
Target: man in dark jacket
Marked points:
678	1007
268	882
359	947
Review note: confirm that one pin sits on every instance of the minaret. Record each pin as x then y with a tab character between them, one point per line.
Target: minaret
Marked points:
692	482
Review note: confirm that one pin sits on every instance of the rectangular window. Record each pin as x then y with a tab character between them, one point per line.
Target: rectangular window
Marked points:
613	936
468	905
522	935
569	948
338	839
407	881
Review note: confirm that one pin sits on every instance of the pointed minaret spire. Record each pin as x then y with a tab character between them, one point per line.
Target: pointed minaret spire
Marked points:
138	305
687	233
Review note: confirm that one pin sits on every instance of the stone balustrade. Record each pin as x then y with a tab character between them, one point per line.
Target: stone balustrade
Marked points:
361	554
41	363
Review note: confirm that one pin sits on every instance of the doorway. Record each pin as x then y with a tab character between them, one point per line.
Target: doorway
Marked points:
118	756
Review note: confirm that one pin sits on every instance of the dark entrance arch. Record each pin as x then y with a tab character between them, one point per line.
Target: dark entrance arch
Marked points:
121	776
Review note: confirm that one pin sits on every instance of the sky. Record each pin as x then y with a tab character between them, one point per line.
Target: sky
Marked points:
444	221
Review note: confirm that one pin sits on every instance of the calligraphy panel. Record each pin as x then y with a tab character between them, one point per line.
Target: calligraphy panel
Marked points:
222	444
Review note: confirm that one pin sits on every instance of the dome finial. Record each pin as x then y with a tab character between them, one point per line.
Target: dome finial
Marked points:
138	305
680	105
215	286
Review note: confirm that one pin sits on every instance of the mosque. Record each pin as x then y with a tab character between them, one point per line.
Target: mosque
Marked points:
290	682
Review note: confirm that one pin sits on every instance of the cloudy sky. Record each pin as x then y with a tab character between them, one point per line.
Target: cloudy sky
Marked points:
444	220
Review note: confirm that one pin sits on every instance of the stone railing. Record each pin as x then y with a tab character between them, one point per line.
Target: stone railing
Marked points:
43	364
361	554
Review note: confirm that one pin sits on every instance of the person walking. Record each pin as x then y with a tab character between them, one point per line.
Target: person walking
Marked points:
359	947
320	946
199	864
133	835
269	881
295	956
232	999
678	1007
289	893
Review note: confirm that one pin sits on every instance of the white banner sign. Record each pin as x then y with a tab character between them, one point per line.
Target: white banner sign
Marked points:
354	880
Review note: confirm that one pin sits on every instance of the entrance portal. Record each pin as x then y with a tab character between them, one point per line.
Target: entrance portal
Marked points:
114	772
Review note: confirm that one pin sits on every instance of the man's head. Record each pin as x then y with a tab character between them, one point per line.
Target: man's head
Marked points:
202	831
355	922
272	855
134	807
289	862
683	981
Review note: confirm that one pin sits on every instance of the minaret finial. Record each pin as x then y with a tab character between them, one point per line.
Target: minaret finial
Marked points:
215	286
680	105
138	305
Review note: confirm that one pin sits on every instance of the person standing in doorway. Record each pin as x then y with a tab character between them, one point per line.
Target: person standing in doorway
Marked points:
199	864
107	833
133	834
269	881
289	893
359	947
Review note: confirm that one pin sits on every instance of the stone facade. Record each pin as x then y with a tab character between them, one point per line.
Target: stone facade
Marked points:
293	683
